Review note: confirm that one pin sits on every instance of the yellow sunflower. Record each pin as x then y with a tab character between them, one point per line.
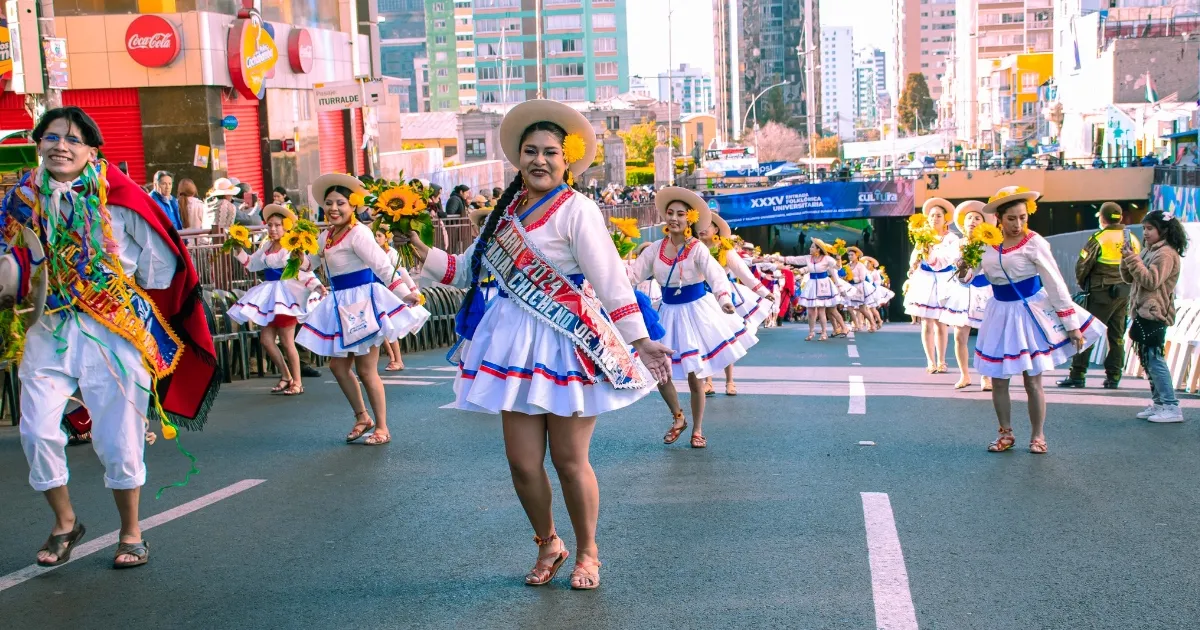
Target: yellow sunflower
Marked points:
288	224
401	201
239	233
628	227
987	234
574	148
308	243
917	221
357	199
693	216
291	241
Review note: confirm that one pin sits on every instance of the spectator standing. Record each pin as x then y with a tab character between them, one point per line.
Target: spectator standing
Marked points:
248	211
191	209
435	202
224	212
163	181
1153	276
1099	276
456	205
279	197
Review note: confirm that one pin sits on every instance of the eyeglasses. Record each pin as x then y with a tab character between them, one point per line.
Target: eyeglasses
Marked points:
53	139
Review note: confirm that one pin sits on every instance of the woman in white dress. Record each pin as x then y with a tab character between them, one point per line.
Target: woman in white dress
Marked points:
519	359
930	269
370	304
276	304
1031	323
856	296
819	292
965	301
875	295
703	337
395	359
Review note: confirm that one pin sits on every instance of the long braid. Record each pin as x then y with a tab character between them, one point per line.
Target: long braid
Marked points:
489	230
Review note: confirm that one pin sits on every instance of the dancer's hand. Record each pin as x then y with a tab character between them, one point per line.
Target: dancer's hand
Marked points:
1076	337
419	246
728	308
656	357
413	299
770	297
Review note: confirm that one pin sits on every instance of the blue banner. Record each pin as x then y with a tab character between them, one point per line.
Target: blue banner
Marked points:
818	202
760	171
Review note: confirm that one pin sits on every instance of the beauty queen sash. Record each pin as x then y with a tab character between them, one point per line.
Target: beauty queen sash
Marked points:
541	289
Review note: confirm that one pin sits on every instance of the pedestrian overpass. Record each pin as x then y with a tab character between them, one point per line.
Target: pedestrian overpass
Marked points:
1092	186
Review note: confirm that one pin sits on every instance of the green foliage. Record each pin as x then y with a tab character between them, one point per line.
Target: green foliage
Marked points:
916	106
640	176
636	163
640	141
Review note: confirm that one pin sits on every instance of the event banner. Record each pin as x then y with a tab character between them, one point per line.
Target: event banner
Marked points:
818	202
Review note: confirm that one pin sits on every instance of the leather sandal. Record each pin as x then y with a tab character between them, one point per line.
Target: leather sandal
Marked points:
61	545
1002	443
730	389
139	550
378	439
284	383
1038	446
676	430
699	441
357	432
540	575
586	575
708	388
295	389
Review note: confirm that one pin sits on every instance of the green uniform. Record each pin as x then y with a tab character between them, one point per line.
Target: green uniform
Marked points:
1099	277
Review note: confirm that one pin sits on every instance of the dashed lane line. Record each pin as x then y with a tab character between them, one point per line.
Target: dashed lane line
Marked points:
889	577
858	396
852	350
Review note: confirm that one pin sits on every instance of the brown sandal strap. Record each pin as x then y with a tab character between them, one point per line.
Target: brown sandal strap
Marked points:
542	542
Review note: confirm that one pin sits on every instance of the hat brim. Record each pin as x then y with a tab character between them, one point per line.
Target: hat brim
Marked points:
274	209
722	226
822	245
671	194
991	206
321	185
222	192
479	215
937	202
965	208
519	118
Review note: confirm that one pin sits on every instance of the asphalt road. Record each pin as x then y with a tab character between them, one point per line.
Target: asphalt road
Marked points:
764	529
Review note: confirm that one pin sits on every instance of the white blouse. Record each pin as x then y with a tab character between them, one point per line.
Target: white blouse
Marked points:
737	266
826	263
695	265
262	260
1032	257
943	254
572	235
858	271
357	250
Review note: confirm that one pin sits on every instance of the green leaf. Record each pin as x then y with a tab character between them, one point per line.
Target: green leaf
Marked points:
426	229
291	270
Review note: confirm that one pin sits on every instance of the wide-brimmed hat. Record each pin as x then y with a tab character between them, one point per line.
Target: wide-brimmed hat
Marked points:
747	245
15	269
1009	194
823	246
866	260
722	226
671	194
223	187
479	215
321	185
637	251
937	202
965	208
274	209
519	118
856	250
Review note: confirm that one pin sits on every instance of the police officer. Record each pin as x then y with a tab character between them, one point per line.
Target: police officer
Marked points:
1107	296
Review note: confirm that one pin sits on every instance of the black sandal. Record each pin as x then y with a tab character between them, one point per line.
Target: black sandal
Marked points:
61	545
139	550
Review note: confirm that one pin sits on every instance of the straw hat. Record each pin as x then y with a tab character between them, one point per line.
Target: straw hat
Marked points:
223	187
519	118
965	208
722	226
274	209
823	246
747	245
937	202
1009	194
856	250
321	186
13	269
641	248
479	215
670	194
869	260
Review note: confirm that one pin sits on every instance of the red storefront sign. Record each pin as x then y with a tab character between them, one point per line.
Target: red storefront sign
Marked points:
252	54
300	50
152	41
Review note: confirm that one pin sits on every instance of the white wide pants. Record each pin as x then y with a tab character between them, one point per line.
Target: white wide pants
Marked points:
115	387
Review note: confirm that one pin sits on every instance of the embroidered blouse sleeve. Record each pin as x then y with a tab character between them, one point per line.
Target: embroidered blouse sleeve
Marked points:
707	268
642	267
738	268
798	261
144	254
257	261
449	269
945	253
592	248
376	260
1056	289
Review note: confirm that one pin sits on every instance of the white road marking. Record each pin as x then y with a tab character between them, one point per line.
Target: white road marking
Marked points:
889	578
852	350
858	396
393	380
448	406
111	538
850	334
856	363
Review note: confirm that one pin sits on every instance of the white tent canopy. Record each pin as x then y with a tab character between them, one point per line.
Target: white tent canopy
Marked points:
891	148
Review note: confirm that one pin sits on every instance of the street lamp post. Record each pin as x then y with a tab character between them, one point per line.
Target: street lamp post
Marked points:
751	109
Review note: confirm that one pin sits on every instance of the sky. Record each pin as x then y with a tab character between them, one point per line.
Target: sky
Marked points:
692	30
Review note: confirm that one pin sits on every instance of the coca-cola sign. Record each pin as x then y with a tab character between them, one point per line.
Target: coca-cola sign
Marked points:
300	50
152	41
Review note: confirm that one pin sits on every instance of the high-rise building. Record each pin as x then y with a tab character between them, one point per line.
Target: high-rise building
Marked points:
402	40
693	89
760	43
922	40
837	81
869	89
584	54
441	45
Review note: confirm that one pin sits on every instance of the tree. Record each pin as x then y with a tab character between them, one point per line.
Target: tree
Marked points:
772	108
777	143
868	135
640	141
916	106
830	147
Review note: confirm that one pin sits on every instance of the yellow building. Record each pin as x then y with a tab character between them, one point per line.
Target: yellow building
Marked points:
1008	98
695	128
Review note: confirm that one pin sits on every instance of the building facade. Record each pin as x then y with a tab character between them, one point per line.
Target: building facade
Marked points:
757	44
402	41
867	92
838	111
691	87
1011	104
441	61
583	56
922	39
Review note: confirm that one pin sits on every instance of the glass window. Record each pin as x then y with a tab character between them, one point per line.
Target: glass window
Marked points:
604	44
564	22
476	147
604	20
606	68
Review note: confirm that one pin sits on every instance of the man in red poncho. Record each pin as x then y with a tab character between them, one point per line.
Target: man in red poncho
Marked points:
787	294
123	324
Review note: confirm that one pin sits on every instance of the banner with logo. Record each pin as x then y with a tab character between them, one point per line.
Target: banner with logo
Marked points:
252	55
818	202
348	95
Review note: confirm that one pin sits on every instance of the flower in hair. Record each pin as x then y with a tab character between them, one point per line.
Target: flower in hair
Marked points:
574	148
693	216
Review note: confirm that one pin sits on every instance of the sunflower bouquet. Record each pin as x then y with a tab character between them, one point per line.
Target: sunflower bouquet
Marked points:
400	207
921	234
720	250
626	230
984	235
237	236
301	240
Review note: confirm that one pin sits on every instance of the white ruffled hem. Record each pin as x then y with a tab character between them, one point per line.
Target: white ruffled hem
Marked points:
753	310
818	293
263	302
1013	340
321	330
704	337
925	293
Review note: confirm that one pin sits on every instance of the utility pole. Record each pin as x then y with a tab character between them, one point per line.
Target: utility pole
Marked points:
52	97
670	98
810	119
537	13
